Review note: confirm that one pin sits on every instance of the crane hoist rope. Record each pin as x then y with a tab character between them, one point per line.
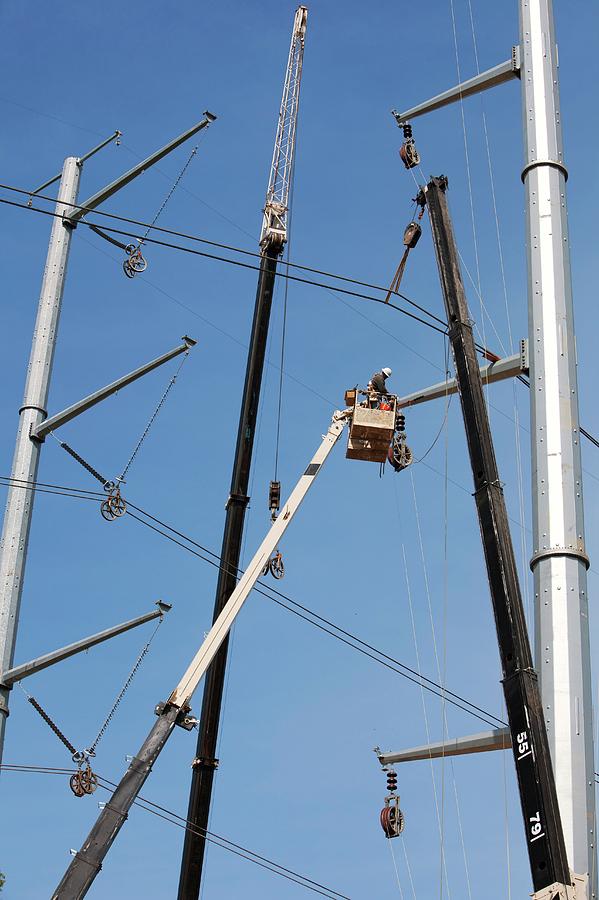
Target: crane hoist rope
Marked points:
84	780
115	506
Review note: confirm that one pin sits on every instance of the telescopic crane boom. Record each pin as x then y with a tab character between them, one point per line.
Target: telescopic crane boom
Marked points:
88	861
272	241
551	876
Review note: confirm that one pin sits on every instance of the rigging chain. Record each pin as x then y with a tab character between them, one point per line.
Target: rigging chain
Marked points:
135	262
85	781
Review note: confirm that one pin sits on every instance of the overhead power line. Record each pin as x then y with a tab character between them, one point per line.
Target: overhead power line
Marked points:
303	612
174	819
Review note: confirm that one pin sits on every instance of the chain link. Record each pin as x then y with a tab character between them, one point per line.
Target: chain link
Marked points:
152	418
100	735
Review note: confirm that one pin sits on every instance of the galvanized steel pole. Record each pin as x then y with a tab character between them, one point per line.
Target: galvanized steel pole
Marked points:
559	561
19	504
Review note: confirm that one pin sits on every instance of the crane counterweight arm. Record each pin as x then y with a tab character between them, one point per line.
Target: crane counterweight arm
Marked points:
88	861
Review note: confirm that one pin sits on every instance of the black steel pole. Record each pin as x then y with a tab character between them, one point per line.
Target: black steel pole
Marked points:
205	763
536	784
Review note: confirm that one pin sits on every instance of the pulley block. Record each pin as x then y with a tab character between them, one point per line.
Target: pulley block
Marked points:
392	819
114	506
409	154
135	262
83	782
275	566
399	454
411	235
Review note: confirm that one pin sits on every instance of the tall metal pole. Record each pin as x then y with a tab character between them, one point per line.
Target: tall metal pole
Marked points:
19	504
559	560
272	242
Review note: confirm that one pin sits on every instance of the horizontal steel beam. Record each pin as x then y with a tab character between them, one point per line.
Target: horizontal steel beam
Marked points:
8	678
497	739
491	78
48	425
508	367
141	167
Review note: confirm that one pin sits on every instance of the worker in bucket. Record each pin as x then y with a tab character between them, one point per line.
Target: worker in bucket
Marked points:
377	386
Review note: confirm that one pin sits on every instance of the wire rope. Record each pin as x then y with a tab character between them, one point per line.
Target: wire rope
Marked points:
175	819
424	710
216	244
408	866
319	621
401	894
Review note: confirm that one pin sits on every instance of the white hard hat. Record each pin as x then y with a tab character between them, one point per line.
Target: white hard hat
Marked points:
387	372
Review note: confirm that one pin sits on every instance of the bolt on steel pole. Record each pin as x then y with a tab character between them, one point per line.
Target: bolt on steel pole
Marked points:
19	504
559	560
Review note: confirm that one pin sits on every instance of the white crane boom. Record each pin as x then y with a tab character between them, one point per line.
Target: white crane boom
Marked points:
274	224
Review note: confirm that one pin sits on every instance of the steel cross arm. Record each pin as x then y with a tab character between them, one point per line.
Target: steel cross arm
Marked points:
80	160
497	75
141	167
17	673
496	739
499	370
44	428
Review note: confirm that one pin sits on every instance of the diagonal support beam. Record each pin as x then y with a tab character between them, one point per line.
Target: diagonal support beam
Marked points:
501	369
110	189
496	739
17	673
505	71
71	412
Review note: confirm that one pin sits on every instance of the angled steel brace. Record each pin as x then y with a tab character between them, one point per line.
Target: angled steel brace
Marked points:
100	196
496	739
80	160
499	370
497	75
44	428
17	673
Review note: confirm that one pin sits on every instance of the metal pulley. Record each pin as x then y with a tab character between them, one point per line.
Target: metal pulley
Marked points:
275	566
399	454
83	781
135	262
411	235
408	153
114	506
392	818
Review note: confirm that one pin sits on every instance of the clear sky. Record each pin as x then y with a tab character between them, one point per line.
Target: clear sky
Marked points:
298	781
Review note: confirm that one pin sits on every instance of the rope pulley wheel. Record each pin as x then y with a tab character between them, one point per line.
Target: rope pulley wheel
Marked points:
399	455
114	506
135	262
392	819
275	566
408	153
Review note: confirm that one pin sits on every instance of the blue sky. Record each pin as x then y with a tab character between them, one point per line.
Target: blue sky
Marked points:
298	781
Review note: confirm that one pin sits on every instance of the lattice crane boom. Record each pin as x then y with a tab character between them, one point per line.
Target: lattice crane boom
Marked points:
274	225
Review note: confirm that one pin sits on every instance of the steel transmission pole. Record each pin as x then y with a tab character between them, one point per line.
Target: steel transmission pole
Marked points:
19	504
559	560
272	242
